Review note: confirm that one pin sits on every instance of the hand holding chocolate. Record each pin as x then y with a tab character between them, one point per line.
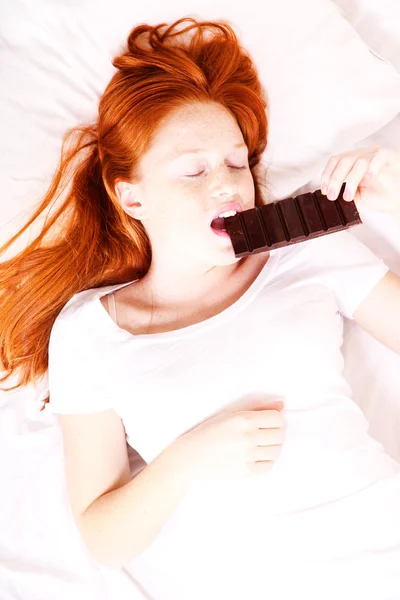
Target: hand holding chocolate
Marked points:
289	221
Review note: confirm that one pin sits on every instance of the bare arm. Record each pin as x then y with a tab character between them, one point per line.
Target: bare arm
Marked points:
120	525
118	517
379	313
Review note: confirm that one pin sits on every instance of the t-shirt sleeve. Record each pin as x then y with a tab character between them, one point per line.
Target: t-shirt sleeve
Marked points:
74	370
348	267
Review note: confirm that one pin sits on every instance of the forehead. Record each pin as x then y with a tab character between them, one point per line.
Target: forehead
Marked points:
195	126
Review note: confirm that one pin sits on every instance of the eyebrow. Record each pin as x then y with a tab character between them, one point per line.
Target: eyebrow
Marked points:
199	150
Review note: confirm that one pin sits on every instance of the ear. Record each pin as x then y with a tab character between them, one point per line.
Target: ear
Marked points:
128	195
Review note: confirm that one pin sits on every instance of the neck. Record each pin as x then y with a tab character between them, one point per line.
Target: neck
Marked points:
182	287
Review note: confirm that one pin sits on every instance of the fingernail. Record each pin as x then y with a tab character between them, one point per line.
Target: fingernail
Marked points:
332	193
324	187
347	194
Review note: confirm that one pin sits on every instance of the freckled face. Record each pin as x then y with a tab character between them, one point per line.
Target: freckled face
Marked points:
197	163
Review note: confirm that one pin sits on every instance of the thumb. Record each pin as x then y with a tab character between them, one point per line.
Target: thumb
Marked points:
277	404
255	402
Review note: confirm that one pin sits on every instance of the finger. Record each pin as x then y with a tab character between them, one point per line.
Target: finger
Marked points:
339	176
357	198
354	178
377	162
327	173
266	453
268	437
360	201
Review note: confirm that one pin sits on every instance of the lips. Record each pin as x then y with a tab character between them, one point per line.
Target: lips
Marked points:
217	222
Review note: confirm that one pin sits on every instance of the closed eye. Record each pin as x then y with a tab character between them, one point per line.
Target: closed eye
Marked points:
200	173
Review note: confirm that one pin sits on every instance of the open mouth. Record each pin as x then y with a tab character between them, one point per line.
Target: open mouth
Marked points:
218	224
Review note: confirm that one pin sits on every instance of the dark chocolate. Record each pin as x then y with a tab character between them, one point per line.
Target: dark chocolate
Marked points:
289	221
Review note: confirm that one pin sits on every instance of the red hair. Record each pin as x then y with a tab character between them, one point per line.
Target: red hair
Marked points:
91	241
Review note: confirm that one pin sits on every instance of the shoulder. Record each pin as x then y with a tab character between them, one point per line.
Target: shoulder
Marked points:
333	249
337	260
84	300
76	321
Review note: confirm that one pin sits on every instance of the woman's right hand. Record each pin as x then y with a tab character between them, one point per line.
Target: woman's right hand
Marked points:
233	443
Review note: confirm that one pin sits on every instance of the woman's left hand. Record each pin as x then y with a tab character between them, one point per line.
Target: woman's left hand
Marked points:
372	177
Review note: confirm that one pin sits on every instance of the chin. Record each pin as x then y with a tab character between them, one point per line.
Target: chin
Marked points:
228	259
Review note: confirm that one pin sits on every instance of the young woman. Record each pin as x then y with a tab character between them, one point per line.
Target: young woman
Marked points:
225	374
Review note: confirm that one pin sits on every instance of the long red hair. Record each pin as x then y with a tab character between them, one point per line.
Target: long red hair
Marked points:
90	241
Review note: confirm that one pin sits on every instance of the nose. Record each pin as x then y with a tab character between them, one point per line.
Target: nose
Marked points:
224	182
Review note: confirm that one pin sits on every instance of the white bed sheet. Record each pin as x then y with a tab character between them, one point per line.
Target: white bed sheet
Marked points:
41	553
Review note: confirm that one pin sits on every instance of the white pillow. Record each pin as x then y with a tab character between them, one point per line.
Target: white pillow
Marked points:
378	23
326	90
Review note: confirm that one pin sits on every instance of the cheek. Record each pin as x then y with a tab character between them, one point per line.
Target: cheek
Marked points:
179	208
246	188
190	197
250	180
166	200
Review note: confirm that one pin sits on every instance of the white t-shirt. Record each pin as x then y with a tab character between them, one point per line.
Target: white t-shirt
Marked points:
282	338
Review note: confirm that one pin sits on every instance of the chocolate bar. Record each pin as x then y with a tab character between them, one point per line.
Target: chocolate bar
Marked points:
289	221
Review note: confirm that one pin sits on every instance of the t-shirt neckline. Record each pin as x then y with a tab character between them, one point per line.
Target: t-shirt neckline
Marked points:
265	273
